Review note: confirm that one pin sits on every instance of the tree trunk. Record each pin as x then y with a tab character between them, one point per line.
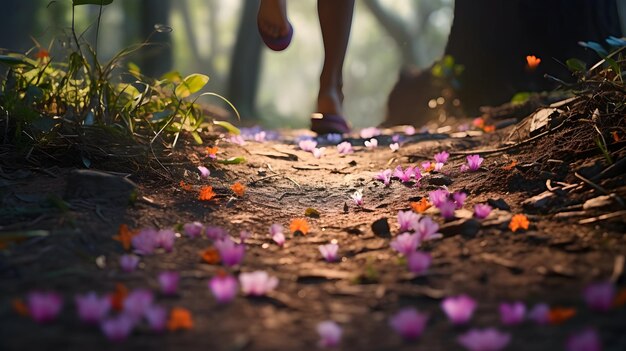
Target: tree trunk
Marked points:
157	58
245	64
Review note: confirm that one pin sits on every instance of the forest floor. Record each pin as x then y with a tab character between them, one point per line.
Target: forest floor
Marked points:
570	243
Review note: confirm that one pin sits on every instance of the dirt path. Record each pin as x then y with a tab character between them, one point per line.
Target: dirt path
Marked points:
551	262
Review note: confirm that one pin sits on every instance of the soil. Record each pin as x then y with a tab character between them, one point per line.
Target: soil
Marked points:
566	247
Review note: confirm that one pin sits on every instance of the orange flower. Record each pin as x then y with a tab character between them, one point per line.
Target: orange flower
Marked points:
420	206
211	151
489	129
620	298
185	186
124	236
510	166
20	307
479	122
519	221
42	54
180	318
299	225
210	255
558	315
532	62
118	297
430	168
238	188
206	193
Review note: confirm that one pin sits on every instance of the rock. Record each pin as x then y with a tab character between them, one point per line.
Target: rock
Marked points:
439	180
99	186
500	204
381	228
464	227
540	201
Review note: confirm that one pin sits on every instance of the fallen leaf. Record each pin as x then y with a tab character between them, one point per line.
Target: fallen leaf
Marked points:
299	225
210	256
20	307
185	186
238	188
118	297
125	235
519	221
510	166
206	193
421	206
558	315
180	319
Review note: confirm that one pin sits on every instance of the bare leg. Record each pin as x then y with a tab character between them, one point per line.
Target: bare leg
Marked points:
335	21
272	17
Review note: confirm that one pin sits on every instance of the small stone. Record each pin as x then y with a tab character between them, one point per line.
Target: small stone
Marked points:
499	204
439	180
94	185
381	228
465	227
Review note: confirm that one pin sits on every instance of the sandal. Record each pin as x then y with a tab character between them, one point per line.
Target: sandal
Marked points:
279	43
322	123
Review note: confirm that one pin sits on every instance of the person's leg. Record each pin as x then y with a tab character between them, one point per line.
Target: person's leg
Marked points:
272	18
335	18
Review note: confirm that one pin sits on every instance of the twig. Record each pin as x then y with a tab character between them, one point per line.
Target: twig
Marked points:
264	178
600	189
618	268
603	217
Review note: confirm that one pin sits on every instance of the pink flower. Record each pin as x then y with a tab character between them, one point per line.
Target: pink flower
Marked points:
394	147
91	308
427	229
193	229
409	130
425	165
276	231
318	152
417	174
137	302
482	211
489	339
459	309
330	334
204	172
257	283
169	282
329	252
459	199
439	196
464	168
345	148
438	166
235	139
473	162
145	242
307	145
447	209
403	176
384	176
405	243
216	233
599	296
409	323
129	263
368	133
44	307
118	328
156	316
224	288
586	340
243	236
540	314
165	239
230	252
357	197
372	143
513	313
442	157
418	262
407	220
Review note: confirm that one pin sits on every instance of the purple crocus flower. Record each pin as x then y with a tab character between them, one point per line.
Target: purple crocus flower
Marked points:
409	130
371	144
91	308
513	313
599	296
409	323
540	314
438	166
489	339
405	243
384	176
345	148
586	340
165	239
145	242
224	288
442	157
407	220
482	211
464	168
318	152
156	316
447	209
137	302
418	262
459	199
235	139
193	229
357	197
403	176
427	229
307	145
439	196
169	282
216	233
329	252
204	172
330	334
370	132
425	165
230	252
417	174
459	309
118	328
44	307
257	283
276	231
473	162
129	263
